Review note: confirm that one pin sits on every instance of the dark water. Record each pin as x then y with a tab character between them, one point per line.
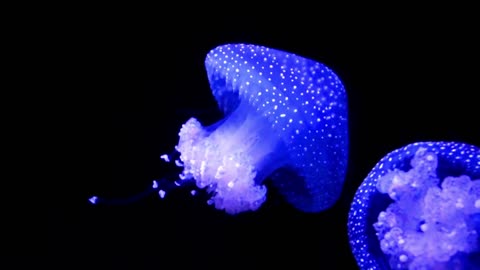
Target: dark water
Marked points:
404	85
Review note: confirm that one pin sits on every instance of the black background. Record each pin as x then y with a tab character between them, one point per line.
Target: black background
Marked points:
408	79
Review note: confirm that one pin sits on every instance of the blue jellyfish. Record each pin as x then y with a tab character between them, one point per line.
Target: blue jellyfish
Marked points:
285	120
419	208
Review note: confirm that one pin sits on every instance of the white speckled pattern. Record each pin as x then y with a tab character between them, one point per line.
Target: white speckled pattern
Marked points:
306	105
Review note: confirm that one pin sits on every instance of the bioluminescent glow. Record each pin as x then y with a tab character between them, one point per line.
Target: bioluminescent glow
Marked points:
419	208
285	119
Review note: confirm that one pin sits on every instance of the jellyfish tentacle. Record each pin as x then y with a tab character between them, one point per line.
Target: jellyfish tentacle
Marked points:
121	201
160	186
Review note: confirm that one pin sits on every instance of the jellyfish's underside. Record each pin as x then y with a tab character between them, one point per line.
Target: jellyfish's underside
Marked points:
276	126
419	208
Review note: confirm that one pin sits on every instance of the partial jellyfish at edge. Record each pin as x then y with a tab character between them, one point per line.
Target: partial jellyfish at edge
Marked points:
285	119
419	208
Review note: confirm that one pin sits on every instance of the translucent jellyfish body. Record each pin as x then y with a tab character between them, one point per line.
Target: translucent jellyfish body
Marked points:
419	208
285	119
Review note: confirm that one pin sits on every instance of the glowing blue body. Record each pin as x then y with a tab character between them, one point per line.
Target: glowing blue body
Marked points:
454	159
293	111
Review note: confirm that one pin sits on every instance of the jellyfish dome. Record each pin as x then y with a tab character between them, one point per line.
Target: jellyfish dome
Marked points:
285	119
419	208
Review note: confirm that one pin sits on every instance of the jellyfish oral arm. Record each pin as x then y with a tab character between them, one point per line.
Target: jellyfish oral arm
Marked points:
232	160
428	224
417	209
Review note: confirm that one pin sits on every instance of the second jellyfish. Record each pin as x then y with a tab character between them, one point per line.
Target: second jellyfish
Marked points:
419	208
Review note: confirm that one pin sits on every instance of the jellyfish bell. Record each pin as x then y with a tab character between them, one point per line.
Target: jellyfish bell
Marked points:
284	119
419	208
